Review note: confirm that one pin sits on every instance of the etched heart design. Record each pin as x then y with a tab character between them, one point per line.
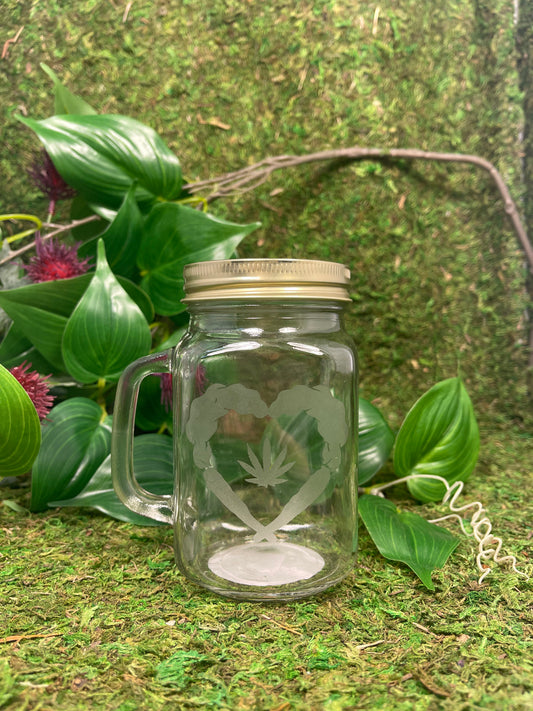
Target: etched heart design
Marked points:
318	402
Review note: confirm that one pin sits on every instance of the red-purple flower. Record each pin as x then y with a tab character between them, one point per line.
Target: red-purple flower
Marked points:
200	381
36	387
55	260
166	390
45	176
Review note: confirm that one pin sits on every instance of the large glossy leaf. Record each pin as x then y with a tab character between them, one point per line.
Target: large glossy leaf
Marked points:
15	349
40	312
79	210
376	440
76	439
406	537
106	330
151	411
176	235
103	155
65	102
57	297
122	239
12	345
152	458
439	436
20	429
42	328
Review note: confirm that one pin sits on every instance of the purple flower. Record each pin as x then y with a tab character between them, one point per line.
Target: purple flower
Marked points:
45	176
200	382
36	387
53	261
166	390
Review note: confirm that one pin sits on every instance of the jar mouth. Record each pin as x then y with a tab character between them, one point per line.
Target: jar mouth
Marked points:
266	279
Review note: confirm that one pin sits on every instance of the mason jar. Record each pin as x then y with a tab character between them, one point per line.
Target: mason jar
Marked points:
264	388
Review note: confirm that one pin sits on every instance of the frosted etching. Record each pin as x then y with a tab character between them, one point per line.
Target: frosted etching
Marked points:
318	402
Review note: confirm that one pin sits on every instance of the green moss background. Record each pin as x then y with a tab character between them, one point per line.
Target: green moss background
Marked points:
94	613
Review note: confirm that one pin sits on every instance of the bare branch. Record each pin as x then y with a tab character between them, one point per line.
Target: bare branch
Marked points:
249	178
59	229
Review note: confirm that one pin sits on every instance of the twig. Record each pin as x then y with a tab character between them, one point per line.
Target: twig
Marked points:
283	627
360	647
126	12
247	179
20	637
57	231
13	40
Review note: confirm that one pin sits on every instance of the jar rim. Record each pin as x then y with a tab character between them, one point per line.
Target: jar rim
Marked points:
266	279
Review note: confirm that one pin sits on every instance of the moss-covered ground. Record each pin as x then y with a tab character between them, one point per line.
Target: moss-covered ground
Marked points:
93	613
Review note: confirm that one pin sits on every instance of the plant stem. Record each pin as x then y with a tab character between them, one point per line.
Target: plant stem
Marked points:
58	230
249	178
26	218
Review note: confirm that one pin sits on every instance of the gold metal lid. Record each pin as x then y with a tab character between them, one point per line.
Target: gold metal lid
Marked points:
266	279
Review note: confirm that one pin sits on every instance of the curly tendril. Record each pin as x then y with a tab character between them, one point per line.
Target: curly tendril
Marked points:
489	546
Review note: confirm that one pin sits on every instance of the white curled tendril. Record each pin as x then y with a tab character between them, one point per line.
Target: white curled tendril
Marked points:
489	546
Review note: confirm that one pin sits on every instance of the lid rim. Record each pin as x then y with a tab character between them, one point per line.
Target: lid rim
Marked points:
266	276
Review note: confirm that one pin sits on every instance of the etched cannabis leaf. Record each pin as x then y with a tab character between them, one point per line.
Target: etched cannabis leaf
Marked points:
269	473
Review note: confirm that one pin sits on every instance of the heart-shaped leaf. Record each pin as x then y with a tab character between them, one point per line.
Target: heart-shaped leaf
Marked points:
20	429
76	439
102	155
176	235
106	331
152	461
41	312
439	436
406	537
65	101
376	440
122	239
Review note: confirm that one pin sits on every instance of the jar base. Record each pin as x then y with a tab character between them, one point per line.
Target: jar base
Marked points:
265	564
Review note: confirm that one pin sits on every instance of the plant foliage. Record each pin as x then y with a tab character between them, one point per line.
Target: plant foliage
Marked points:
20	432
86	329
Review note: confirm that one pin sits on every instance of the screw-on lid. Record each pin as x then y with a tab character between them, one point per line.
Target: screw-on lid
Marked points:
266	279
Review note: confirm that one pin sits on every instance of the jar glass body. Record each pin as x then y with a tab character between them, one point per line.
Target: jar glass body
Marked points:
265	433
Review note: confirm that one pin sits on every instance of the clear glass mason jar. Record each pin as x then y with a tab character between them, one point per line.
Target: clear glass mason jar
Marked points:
265	430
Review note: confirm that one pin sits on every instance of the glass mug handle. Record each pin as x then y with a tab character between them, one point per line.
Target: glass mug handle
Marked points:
126	486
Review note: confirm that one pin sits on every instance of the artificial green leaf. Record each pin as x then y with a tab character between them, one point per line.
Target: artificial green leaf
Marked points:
80	210
42	328
172	340
152	462
76	439
20	429
176	235
106	330
439	436
57	297
41	311
102	155
406	537
65	101
376	440
151	411
15	349
122	239
13	343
